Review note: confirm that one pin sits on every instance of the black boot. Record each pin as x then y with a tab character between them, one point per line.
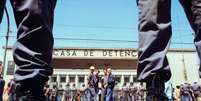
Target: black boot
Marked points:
155	89
29	96
30	91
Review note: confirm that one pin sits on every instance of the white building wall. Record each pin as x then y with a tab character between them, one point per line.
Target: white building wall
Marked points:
85	72
177	67
175	60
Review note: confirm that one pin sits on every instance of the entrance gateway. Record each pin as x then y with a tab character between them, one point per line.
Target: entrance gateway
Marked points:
72	65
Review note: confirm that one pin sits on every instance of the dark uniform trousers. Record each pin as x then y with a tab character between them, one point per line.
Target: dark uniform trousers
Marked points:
2	5
2	84
155	33
33	50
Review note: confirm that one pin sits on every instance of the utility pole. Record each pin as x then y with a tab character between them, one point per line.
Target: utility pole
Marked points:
6	45
184	67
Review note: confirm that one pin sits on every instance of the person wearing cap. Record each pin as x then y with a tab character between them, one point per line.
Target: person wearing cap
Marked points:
92	82
73	92
132	89
196	88
82	90
67	92
185	92
125	91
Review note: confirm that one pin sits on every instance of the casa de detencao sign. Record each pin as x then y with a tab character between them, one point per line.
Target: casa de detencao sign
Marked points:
95	53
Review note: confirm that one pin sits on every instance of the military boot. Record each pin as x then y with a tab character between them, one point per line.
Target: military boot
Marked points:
28	96
32	93
155	89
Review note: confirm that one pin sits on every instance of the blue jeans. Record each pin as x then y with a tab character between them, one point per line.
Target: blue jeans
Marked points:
186	98
91	95
109	94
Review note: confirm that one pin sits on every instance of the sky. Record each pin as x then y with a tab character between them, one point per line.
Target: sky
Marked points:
102	24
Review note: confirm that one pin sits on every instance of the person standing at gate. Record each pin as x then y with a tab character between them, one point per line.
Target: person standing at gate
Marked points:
83	95
185	92
110	85
66	93
97	84
47	92
115	92
33	50
125	92
131	89
104	84
54	93
196	88
92	82
177	93
154	40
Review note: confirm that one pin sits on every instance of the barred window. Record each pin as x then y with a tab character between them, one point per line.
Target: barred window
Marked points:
126	79
118	78
81	79
54	78
135	79
62	78
71	79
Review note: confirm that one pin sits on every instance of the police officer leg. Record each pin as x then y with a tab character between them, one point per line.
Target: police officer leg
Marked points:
192	9
2	5
154	39
33	50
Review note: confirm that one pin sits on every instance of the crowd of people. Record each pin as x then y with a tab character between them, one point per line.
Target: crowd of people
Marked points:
105	88
67	93
187	92
98	88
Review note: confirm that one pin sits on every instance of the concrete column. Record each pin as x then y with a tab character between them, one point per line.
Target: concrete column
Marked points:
85	80
76	80
131	78
67	78
122	80
58	80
